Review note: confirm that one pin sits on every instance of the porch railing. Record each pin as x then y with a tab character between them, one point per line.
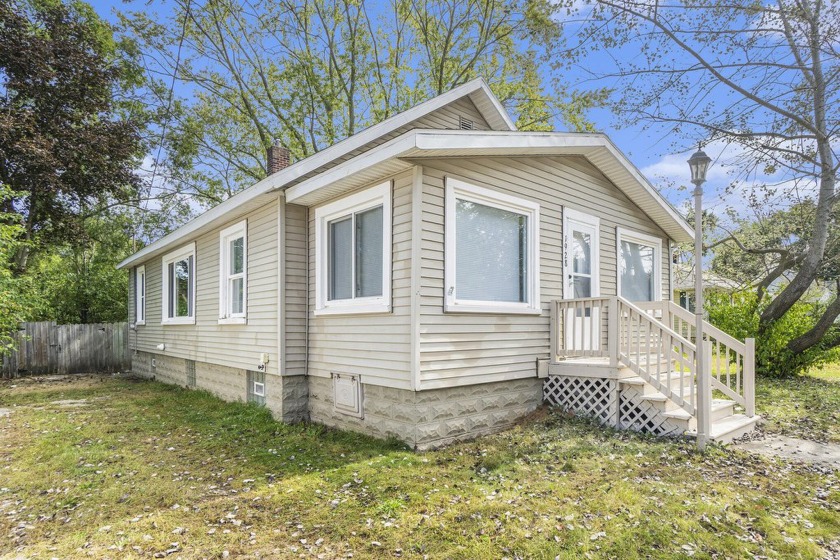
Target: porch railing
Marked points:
732	363
657	341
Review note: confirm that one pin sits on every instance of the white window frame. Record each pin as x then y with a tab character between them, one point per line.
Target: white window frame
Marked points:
457	189
140	295
226	316
184	252
624	234
379	195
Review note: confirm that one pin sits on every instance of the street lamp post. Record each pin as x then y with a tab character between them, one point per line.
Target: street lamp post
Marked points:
699	164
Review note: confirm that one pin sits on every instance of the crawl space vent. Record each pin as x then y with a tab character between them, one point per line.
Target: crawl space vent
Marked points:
347	394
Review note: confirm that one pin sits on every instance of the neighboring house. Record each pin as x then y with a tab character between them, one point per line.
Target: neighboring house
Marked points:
406	281
684	284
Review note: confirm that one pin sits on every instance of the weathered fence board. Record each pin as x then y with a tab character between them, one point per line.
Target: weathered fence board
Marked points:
45	347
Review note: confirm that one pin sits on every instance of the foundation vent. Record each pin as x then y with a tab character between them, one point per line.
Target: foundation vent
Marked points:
190	367
347	394
256	387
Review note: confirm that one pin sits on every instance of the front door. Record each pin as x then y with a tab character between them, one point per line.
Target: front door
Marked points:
581	263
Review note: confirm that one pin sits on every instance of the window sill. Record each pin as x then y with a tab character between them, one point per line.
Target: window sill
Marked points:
179	321
365	309
490	309
140	323
233	321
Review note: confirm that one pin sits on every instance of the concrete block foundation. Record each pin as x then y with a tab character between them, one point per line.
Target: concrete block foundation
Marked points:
285	397
429	419
423	420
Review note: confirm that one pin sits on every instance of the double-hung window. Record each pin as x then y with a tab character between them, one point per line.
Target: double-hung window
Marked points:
179	286
233	269
140	295
640	265
492	251
353	253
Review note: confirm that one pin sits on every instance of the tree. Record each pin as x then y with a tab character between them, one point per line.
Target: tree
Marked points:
80	278
67	146
312	72
13	304
761	78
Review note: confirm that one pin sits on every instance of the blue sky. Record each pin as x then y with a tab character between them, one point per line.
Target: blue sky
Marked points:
650	151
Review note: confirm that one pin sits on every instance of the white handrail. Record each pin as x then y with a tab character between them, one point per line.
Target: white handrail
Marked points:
732	364
658	354
659	349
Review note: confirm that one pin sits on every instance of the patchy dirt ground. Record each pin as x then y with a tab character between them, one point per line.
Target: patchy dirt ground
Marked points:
110	467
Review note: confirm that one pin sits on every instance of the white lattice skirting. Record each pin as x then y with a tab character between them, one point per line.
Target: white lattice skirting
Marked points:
607	402
585	396
640	415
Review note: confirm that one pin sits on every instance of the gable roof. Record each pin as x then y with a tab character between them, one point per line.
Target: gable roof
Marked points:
476	90
318	177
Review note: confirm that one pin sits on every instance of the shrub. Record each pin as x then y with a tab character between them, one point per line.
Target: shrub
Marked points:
738	315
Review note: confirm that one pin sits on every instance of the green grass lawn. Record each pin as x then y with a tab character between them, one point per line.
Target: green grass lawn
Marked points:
806	406
144	469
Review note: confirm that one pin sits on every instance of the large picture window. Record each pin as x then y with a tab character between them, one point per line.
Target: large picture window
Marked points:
140	295
640	262
353	253
233	266
179	286
492	252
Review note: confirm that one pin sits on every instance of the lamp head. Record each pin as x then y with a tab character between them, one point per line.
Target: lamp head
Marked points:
699	164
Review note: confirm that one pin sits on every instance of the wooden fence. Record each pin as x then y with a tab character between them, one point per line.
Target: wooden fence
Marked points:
45	347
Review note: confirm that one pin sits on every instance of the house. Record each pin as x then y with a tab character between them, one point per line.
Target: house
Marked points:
409	281
712	283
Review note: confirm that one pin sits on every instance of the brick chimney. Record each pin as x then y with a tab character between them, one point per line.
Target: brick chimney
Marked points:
279	157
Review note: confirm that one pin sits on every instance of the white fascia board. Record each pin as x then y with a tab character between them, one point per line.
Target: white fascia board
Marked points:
282	178
547	143
499	119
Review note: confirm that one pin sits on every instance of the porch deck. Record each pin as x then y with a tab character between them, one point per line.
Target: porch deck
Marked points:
632	366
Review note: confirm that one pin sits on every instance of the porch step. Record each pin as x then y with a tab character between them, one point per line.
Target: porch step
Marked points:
732	427
647	389
721	409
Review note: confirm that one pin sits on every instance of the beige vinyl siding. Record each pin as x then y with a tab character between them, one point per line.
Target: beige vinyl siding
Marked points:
375	346
467	348
237	346
445	118
295	290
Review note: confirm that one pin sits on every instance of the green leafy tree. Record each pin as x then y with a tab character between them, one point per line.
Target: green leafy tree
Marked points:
13	303
67	145
81	279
